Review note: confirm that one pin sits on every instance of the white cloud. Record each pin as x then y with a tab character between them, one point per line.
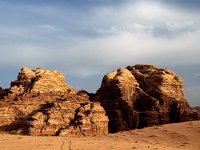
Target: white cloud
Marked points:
46	27
110	30
182	25
150	10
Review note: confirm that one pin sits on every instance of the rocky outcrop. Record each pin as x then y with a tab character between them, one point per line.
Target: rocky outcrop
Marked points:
143	95
40	81
39	102
115	95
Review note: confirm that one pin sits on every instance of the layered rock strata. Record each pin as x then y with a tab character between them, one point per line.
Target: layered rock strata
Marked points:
143	95
39	102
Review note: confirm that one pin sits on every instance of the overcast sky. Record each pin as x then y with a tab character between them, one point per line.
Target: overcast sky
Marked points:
84	39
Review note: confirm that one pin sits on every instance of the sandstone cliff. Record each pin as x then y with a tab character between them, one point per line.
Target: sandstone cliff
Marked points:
39	102
143	95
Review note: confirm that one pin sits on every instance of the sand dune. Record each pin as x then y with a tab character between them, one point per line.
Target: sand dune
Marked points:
183	136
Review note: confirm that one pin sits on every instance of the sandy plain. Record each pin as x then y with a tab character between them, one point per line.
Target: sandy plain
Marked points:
179	136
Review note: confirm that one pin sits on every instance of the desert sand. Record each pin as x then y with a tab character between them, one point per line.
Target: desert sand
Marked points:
183	136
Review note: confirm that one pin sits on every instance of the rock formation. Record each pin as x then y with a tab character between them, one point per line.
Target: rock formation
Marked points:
3	92
40	81
39	102
143	95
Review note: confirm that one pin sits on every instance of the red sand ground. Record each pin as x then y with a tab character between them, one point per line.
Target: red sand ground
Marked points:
181	136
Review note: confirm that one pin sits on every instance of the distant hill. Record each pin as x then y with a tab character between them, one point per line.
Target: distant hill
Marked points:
197	108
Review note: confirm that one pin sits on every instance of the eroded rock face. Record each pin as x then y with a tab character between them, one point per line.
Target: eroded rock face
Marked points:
161	83
143	95
39	102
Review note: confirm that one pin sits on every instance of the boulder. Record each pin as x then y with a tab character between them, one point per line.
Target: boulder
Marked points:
143	95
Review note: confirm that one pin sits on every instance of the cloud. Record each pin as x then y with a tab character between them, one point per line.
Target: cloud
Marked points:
197	74
105	36
46	27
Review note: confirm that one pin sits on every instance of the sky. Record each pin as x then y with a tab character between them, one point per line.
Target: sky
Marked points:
85	39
